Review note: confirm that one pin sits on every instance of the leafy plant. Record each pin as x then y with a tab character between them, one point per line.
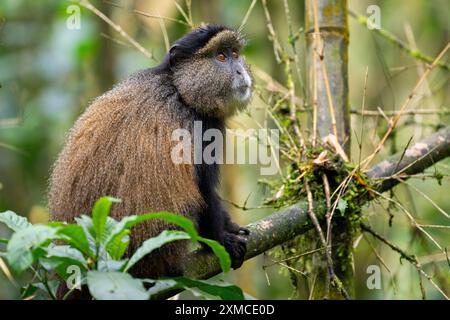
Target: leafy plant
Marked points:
92	252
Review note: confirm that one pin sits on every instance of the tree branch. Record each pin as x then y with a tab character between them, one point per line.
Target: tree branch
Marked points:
292	221
414	160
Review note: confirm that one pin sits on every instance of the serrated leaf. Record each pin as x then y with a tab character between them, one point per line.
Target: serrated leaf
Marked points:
154	243
24	243
220	252
115	286
14	221
100	213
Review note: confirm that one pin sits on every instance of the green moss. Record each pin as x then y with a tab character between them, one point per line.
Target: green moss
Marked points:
345	223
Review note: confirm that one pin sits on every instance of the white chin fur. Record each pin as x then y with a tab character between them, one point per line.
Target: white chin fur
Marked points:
246	95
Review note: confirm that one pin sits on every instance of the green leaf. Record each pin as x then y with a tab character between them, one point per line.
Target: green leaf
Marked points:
109	227
14	221
220	252
221	289
48	264
52	285
55	224
4	241
161	285
66	254
20	259
24	243
111	265
70	273
28	291
115	286
85	222
100	213
154	243
118	245
130	221
76	236
342	205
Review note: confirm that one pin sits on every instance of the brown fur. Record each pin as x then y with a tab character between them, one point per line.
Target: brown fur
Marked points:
121	147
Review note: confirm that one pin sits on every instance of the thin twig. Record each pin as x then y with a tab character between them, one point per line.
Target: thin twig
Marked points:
373	113
86	4
416	54
410	258
145	14
404	106
434	204
247	15
363	104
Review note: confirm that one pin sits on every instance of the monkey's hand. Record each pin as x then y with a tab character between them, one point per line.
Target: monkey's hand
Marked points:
234	228
236	247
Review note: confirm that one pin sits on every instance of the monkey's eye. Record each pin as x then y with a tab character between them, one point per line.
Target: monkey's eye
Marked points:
235	55
221	57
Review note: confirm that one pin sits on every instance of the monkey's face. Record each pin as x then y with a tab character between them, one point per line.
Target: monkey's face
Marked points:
216	81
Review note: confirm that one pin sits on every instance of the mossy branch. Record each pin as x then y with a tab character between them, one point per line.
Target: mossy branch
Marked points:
292	221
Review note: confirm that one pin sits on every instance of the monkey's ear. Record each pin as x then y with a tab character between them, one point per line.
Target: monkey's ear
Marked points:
173	54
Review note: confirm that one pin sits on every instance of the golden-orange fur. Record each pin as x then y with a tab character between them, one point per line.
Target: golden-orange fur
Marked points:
121	147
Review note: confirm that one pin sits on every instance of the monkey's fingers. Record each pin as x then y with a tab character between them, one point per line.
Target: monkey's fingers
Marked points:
236	246
243	231
237	229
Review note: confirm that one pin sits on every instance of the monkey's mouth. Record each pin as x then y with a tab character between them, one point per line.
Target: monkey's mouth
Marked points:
243	92
243	88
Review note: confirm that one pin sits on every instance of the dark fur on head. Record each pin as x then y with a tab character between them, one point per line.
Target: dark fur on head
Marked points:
203	83
188	45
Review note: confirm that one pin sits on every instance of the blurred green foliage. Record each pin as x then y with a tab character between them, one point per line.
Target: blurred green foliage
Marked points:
49	74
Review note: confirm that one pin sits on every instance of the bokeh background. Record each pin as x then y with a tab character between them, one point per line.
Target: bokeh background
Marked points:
49	74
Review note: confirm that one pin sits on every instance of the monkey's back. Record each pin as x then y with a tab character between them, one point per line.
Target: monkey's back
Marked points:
121	147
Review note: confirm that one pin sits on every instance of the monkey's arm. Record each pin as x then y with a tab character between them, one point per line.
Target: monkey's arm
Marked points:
233	227
215	223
